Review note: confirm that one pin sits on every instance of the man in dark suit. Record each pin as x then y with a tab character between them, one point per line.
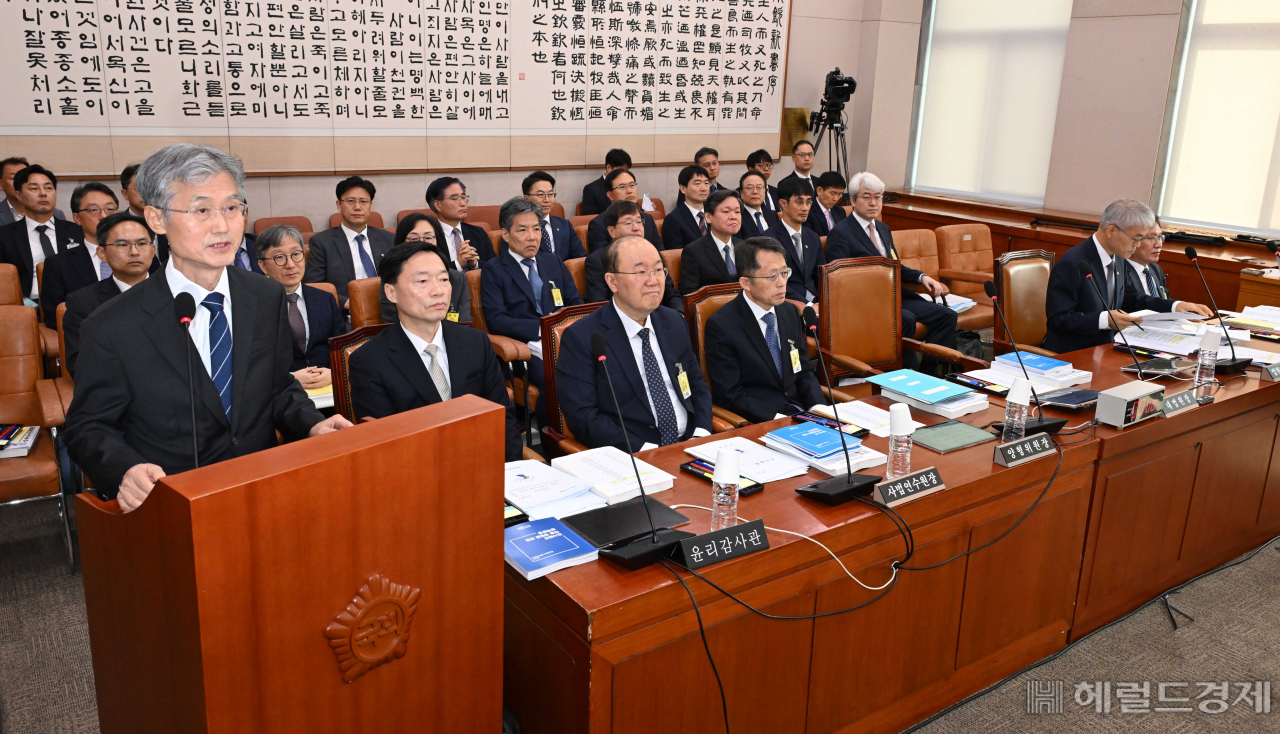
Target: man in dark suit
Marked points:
245	258
622	186
469	245
708	159
863	235
525	284
662	395
803	249
1076	319
425	359
129	422
353	249
756	218
79	266
761	162
38	235
595	198
708	260
314	315
827	210
756	351
686	221
1145	278
558	236
622	218
11	208
802	159
126	244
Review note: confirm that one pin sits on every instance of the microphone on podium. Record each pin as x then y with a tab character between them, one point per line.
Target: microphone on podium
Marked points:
1087	272
1224	366
185	307
1039	424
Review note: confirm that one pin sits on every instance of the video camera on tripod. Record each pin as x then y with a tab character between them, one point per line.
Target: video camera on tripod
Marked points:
836	93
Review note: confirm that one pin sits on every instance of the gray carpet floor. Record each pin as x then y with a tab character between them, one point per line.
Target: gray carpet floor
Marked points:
46	679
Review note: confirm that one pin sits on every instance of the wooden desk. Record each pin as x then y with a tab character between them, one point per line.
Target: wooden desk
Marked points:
1256	290
595	648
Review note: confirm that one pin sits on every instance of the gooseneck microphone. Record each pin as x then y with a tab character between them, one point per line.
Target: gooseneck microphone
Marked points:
185	306
1087	272
1275	250
1224	366
1039	424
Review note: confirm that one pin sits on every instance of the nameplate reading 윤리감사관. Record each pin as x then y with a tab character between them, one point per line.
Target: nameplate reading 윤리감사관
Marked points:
1180	402
1023	450
909	487
722	545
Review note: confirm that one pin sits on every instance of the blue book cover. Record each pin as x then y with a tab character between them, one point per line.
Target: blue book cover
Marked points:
542	546
918	386
815	440
1036	363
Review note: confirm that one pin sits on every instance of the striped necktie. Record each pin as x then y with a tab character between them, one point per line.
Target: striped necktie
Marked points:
219	349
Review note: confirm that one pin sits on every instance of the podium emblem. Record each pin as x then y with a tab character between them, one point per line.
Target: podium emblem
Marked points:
374	628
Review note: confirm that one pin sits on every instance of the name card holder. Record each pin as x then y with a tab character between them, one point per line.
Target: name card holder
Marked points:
1270	373
909	487
721	545
1180	403
1023	450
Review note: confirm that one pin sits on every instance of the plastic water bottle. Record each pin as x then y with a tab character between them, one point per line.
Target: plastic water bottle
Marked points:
899	440
1016	404
724	490
1208	358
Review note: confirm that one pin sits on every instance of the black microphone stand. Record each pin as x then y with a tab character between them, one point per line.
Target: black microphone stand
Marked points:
1088	275
1039	424
1223	366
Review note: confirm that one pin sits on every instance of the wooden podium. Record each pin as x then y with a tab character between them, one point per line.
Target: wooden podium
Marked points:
350	582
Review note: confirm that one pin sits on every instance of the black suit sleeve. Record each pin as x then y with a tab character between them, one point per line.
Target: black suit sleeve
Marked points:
671	297
368	393
597	235
723	362
337	324
495	390
53	290
576	376
690	272
576	249
840	244
673	234
71	322
597	288
1062	302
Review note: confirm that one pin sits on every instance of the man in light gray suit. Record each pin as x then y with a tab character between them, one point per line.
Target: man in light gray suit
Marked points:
11	208
353	249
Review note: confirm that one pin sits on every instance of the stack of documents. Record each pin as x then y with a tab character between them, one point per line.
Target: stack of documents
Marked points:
860	457
544	491
930	394
322	397
862	415
1054	378
959	304
535	348
810	440
1172	342
538	547
1257	355
755	462
610	474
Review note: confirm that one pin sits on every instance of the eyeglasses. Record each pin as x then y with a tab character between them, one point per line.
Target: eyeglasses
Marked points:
783	274
630	223
459	198
1154	238
1139	239
127	245
95	211
803	155
627	187
543	194
753	187
659	273
421	238
764	165
282	259
871	197
354	201
204	213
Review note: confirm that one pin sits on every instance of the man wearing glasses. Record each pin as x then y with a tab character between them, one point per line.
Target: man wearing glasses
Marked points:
756	349
622	218
558	236
313	314
709	259
620	185
756	217
761	162
662	396
353	249
130	421
802	159
802	245
468	244
1145	278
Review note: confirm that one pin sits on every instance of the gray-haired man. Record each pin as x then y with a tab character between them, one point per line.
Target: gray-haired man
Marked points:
130	424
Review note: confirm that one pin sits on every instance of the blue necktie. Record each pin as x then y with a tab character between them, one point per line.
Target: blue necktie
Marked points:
366	261
535	282
219	349
728	262
104	270
771	338
242	258
546	240
760	225
668	429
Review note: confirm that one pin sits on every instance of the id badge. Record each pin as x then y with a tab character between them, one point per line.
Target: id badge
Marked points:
555	295
452	316
795	358
683	379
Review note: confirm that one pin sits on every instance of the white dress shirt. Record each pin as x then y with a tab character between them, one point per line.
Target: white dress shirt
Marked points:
722	244
302	309
1104	321
37	252
355	250
791	245
695	213
442	356
520	261
448	240
1142	278
199	327
123	286
97	261
633	331
785	349
762	223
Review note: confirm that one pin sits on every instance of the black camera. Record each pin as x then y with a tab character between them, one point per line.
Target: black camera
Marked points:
839	88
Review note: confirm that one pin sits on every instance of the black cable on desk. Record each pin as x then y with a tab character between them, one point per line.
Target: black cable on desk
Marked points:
903	528
724	706
893	582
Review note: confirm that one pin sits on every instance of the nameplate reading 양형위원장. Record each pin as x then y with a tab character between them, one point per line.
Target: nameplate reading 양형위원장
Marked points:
721	545
1023	450
1180	402
909	487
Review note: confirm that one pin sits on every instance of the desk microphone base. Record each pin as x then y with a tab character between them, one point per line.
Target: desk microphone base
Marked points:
1036	425
839	490
1231	366
636	554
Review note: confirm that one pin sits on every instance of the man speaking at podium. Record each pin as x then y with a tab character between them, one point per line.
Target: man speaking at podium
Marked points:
130	421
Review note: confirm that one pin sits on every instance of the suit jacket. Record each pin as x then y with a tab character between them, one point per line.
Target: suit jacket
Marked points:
7	214
80	304
324	319
746	380
584	393
802	278
703	264
818	223
1132	282
331	260
459	300
67	273
813	180
564	241
132	407
771	199
598	234
749	227
162	251
508	298
595	198
15	248
679	228
388	376
598	289
848	240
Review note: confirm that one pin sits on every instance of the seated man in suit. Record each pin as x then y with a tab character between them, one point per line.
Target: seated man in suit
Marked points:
126	244
79	266
622	218
313	314
761	162
595	198
525	284
1076	319
1145	278
469	245
756	218
622	186
686	221
708	159
129	190
130	421
558	236
425	359
802	159
708	260
38	235
862	235
662	395
827	210
11	209
756	350
351	250
801	245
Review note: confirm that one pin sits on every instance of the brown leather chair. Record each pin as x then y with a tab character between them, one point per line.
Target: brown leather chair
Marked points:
362	295
557	210
556	433
672	259
577	209
28	400
657	223
964	264
48	337
823	240
1022	280
302	223
918	248
581	230
659	209
485	217
698	307
10	289
330	289
64	384
581	219
340	349
375	220
495	240
508	350
577	268
402	214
